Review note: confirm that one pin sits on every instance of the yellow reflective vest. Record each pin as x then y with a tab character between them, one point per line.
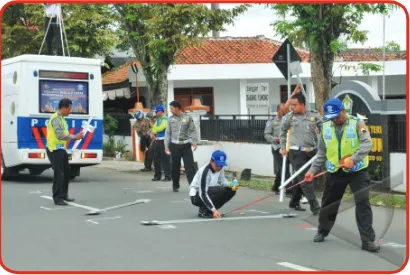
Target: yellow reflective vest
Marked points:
347	145
53	143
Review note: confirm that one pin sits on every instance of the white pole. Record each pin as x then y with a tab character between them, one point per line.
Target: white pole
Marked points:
282	186
384	56
61	30
281	193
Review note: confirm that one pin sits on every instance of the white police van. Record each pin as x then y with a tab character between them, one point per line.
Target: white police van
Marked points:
31	87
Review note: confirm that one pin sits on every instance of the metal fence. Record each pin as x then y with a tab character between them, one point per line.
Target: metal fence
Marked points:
397	133
250	128
236	128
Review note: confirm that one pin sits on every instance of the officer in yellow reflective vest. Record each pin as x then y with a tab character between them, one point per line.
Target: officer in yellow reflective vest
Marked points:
57	137
344	135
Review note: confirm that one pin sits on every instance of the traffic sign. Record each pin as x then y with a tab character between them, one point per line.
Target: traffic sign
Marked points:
280	58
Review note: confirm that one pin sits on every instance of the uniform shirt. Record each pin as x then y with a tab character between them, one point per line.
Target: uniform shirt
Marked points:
180	128
59	130
143	127
360	154
272	132
201	184
304	129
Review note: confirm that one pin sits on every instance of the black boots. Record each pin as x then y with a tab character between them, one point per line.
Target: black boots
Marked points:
370	246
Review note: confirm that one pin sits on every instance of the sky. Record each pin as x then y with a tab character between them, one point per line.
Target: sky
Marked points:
257	20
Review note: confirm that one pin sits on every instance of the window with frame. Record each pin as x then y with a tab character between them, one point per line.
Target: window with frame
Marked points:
185	96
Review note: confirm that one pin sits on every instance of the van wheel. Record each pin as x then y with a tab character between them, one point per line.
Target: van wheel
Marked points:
74	172
35	172
5	172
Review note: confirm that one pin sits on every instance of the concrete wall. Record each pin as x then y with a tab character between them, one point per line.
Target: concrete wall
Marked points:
398	165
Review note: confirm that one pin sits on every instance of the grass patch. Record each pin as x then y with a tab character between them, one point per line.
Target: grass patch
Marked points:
377	199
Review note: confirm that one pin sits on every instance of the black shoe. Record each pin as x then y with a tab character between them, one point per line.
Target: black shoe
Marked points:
205	213
60	203
156	179
370	246
297	208
145	169
69	199
167	179
319	237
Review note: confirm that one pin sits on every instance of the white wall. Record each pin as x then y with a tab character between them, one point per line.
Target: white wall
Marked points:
257	157
398	165
226	93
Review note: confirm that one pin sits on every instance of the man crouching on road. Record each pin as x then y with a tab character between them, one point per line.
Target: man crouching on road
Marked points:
209	189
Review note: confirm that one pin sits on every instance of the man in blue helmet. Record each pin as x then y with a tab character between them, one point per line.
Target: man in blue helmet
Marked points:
209	189
344	137
161	159
143	128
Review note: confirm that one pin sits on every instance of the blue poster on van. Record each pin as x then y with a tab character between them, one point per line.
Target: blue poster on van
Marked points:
51	92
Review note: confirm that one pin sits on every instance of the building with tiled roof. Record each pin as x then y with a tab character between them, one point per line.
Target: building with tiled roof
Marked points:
219	70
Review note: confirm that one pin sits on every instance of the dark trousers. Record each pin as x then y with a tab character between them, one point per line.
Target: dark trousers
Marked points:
336	183
53	31
59	163
184	152
219	195
149	157
162	160
145	142
278	160
298	159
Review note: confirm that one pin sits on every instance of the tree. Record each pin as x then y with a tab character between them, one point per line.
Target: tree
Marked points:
324	29
157	32
88	27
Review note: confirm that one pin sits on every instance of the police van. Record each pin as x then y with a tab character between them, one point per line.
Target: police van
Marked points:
31	87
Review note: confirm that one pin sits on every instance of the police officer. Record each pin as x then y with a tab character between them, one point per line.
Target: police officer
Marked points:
143	128
57	137
180	135
161	159
272	135
303	126
344	136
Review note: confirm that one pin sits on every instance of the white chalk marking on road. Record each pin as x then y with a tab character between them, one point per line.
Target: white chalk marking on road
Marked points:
94	221
143	191
167	226
56	208
35	192
75	204
257	211
394	245
199	220
295	266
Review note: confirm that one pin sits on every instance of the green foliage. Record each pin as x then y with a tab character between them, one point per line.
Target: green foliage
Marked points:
156	32
110	126
325	29
88	29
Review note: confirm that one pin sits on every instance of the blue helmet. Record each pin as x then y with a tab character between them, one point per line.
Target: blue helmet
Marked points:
159	108
139	114
332	108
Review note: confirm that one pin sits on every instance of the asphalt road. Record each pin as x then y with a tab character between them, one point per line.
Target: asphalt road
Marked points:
39	236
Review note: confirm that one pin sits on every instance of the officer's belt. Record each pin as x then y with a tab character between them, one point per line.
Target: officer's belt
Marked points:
302	148
180	141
